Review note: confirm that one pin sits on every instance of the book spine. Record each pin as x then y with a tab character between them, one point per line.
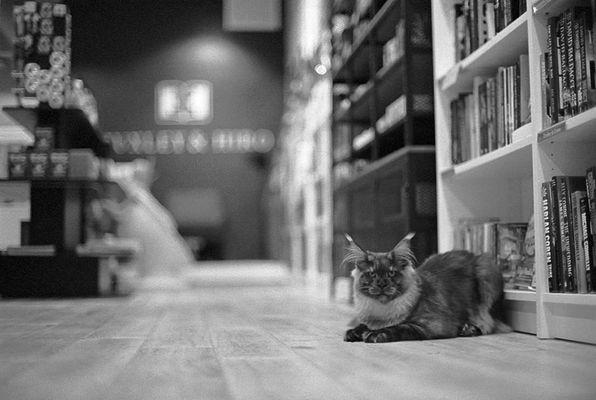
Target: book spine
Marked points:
570	54
516	106
564	68
507	17
553	68
587	244
579	37
454	133
467	8
578	241
549	242
500	109
482	27
460	32
591	200
590	59
474	24
491	29
498	15
492	114
564	233
524	89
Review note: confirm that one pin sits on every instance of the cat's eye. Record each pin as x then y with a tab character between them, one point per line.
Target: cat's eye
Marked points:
372	274
391	273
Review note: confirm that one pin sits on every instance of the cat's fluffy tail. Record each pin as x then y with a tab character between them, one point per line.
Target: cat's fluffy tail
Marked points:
501	327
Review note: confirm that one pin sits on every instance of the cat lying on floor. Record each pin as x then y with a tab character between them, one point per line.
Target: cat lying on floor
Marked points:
451	294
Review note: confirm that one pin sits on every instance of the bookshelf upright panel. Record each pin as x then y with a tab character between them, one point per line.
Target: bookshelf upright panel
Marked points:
506	182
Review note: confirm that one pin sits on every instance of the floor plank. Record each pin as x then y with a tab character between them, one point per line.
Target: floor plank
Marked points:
234	342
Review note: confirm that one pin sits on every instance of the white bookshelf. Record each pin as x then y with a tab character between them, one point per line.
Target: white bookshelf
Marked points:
506	183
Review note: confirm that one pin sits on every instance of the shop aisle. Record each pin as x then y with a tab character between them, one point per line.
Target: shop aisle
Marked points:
248	340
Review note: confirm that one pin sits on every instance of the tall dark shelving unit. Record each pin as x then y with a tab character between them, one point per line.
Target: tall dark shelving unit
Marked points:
58	217
384	176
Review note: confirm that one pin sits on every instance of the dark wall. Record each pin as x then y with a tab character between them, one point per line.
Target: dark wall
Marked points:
121	49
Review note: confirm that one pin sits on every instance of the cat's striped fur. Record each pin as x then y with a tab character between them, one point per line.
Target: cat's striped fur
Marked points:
452	294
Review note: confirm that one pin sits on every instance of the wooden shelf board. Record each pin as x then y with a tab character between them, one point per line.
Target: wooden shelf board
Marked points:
580	128
389	82
376	24
571	299
504	49
15	134
553	7
25	117
381	163
384	21
520	295
513	160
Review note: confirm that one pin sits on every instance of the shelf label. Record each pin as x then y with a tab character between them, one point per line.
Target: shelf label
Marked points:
552	131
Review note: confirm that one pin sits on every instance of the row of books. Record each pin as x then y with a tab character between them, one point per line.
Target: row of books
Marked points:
569	65
342	142
54	164
511	245
478	21
344	171
569	217
485	119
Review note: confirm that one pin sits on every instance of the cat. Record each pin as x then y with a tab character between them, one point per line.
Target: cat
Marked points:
451	294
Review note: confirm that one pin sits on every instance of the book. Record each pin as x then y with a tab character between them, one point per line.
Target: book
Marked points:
525	276
510	250
578	241
565	185
508	244
591	221
524	90
553	68
587	244
32	250
549	219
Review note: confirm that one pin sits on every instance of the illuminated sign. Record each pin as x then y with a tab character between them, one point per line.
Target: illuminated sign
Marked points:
183	102
191	141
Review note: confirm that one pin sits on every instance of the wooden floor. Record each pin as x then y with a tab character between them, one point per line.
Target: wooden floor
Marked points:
252	342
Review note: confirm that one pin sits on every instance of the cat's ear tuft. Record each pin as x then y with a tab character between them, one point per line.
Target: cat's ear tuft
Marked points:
353	245
405	242
403	249
354	252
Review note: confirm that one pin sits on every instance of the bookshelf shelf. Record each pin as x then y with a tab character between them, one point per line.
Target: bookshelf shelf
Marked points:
571	299
513	160
541	8
378	166
384	141
580	128
520	295
506	183
503	49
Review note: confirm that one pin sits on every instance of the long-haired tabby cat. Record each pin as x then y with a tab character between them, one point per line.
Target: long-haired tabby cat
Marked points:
451	294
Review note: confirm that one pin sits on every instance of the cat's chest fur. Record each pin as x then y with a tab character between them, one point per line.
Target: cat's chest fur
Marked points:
376	315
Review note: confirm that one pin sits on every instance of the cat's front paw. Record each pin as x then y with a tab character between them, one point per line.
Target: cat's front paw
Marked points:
378	336
356	334
353	335
469	330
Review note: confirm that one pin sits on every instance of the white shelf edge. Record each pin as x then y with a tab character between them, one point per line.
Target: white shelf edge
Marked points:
577	299
450	78
525	141
577	128
520	295
552	7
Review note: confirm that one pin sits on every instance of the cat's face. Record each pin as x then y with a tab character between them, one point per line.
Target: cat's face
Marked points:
382	276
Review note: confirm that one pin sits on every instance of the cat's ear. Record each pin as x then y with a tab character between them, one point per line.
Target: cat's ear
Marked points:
354	252
405	242
403	247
